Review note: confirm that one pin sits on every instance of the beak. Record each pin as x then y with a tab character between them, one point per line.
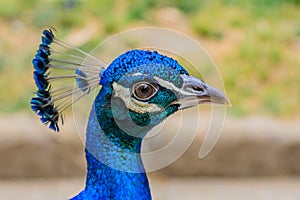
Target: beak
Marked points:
194	92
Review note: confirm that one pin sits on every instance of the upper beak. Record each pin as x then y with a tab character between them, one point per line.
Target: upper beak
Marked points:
194	92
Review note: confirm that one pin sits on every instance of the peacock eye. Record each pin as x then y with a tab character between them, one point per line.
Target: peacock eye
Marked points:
144	90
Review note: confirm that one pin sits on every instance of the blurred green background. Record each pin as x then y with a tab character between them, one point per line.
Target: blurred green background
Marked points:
255	44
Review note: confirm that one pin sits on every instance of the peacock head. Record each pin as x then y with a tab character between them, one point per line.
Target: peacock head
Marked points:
141	88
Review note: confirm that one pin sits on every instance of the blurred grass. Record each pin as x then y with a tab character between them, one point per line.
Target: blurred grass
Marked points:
257	43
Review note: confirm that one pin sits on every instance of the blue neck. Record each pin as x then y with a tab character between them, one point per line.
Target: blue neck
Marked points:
115	167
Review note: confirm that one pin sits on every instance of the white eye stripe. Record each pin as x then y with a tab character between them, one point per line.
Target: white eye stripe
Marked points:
166	84
172	87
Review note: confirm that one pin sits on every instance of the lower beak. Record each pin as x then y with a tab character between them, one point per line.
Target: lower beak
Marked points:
194	92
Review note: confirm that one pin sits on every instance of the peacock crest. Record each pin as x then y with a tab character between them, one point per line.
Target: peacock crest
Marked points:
55	93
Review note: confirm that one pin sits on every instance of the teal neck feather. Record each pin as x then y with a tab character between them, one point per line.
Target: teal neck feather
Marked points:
115	167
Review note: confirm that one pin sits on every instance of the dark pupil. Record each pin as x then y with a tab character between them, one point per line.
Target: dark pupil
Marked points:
144	91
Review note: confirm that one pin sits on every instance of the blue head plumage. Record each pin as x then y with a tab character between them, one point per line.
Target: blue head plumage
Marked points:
138	70
142	61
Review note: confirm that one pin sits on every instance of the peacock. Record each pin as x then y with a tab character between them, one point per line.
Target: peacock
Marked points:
139	89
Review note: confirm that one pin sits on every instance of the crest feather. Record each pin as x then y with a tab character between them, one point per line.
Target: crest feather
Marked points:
63	74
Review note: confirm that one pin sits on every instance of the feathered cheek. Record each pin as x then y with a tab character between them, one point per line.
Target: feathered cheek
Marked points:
143	107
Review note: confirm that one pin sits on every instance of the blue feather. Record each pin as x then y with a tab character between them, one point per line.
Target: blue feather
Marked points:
81	80
36	105
39	66
45	49
43	94
41	53
40	80
45	61
47	37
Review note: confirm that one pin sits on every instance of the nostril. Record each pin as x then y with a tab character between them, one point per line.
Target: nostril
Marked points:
197	88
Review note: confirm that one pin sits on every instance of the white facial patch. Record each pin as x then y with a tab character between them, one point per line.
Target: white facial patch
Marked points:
132	103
